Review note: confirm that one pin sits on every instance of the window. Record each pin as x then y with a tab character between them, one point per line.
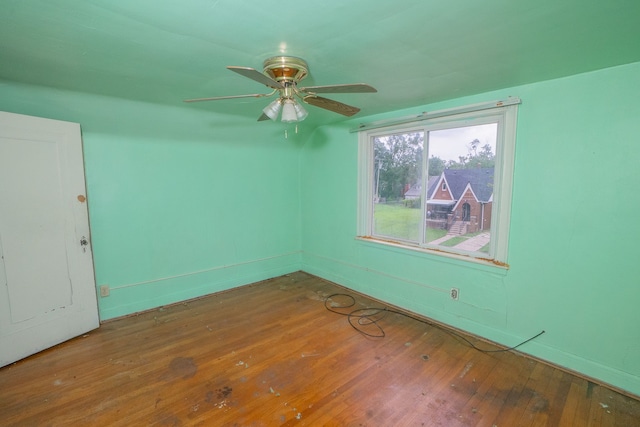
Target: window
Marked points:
441	184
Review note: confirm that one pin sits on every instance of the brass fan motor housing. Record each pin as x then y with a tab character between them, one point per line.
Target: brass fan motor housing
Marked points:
286	69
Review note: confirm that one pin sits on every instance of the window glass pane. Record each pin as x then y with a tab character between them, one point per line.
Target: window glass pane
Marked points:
397	185
459	192
441	183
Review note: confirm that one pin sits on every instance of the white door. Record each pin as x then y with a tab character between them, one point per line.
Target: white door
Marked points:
47	285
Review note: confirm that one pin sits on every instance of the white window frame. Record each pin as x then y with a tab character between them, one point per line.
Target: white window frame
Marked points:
506	117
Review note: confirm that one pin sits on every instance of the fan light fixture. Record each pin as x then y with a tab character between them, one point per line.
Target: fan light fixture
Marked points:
301	113
288	111
291	110
273	109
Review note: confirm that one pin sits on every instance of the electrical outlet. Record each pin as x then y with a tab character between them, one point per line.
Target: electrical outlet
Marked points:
104	290
455	294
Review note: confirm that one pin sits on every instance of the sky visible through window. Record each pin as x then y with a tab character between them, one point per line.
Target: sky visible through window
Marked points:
450	144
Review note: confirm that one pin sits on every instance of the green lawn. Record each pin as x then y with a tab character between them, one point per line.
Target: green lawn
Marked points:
435	233
453	241
401	222
396	220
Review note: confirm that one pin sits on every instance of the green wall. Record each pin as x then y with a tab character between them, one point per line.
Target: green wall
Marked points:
182	202
185	202
574	249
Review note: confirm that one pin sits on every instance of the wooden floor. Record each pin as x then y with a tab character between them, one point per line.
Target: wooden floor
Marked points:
270	354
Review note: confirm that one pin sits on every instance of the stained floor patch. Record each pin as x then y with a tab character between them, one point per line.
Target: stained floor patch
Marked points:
181	367
224	392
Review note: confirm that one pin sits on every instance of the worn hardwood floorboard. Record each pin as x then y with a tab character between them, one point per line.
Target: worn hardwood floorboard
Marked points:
270	354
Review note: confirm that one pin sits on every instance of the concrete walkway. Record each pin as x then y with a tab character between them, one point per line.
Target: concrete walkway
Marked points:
472	244
442	239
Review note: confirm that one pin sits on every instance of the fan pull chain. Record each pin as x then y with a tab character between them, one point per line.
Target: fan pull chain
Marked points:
286	132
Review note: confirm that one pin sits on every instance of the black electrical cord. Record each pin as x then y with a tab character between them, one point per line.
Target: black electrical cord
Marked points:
362	317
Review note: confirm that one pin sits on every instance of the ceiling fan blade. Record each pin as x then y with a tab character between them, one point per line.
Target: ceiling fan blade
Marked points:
347	88
256	75
215	98
331	105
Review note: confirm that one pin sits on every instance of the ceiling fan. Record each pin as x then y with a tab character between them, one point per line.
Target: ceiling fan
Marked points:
282	74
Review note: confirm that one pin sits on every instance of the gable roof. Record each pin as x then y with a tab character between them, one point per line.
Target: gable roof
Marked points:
416	189
480	180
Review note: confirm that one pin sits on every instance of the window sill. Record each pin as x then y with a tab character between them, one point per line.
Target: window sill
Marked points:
438	255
